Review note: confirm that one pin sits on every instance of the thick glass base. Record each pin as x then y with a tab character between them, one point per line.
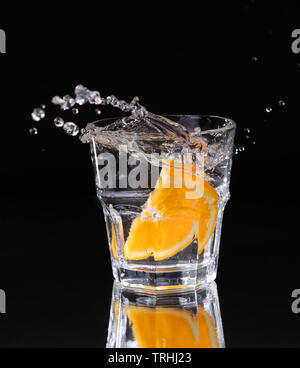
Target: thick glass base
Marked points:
165	278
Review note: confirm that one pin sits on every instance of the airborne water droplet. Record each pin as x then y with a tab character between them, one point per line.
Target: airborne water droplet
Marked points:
33	131
56	100
94	98
67	103
71	128
59	122
38	114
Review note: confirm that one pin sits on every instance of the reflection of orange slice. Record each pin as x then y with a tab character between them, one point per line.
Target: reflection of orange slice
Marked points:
182	207
162	327
116	311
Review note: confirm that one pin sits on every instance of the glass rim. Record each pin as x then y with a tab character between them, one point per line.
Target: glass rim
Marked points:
230	124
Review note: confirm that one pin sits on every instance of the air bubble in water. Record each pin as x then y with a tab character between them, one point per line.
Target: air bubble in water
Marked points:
75	111
268	109
247	130
281	103
38	114
241	149
98	111
59	122
33	131
43	106
254	59
71	128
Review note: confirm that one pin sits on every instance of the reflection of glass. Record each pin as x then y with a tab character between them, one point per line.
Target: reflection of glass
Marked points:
174	320
164	237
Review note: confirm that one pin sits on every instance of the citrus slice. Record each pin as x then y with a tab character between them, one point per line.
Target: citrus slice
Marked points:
163	327
183	206
116	311
114	248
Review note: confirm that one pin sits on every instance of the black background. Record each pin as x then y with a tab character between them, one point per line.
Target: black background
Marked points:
179	57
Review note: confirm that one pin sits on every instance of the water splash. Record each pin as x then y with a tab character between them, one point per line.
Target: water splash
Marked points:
83	95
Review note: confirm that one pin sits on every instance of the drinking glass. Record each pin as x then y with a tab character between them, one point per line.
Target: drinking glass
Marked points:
161	235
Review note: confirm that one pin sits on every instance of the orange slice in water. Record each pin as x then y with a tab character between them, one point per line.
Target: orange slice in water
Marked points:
114	248
183	206
162	327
